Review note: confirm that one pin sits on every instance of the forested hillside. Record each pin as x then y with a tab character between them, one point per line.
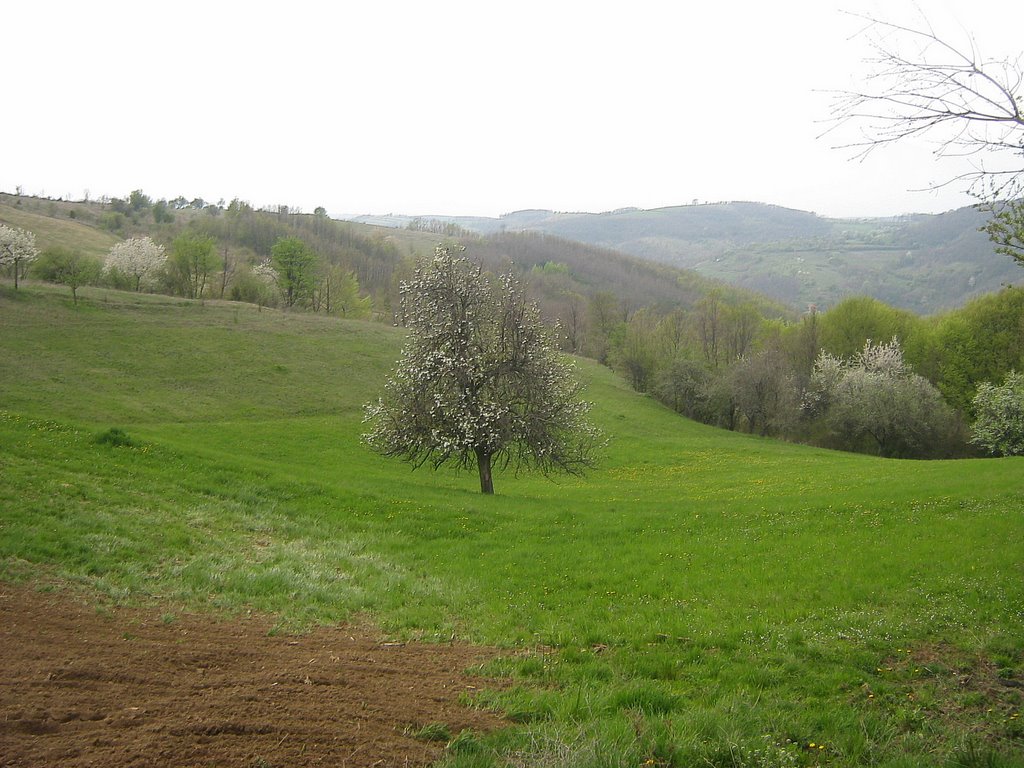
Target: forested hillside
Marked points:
924	263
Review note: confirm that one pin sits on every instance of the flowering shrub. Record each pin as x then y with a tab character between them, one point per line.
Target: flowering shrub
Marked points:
999	424
875	399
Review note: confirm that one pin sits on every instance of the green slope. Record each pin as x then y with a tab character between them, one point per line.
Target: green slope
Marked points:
701	598
51	231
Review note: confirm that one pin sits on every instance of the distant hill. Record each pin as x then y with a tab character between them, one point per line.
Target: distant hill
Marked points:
922	262
557	267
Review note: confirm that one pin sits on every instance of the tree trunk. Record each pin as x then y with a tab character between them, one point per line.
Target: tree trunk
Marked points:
483	463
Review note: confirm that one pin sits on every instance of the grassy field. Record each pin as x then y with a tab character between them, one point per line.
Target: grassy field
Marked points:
702	598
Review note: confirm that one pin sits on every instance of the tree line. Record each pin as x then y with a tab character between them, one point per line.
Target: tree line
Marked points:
861	376
227	254
294	276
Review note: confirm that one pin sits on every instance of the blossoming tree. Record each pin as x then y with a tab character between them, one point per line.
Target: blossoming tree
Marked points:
876	398
999	425
480	380
17	247
136	258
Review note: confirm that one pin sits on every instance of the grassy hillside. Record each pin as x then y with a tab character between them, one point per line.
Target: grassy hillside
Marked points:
555	268
703	598
51	231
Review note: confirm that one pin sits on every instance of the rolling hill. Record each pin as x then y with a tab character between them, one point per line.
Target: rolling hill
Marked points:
922	262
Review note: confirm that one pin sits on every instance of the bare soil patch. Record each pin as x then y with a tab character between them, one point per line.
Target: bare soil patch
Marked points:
84	687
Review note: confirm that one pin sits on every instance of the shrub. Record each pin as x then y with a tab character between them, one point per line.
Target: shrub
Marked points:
875	402
112	222
999	426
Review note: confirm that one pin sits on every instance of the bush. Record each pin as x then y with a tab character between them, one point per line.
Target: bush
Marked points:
683	386
112	222
999	426
253	289
875	403
67	267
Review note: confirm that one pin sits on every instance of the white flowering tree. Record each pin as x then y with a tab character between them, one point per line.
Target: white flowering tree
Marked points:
999	417
264	270
480	381
17	247
876	399
136	258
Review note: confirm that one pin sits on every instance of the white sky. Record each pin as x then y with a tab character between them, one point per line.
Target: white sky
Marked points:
452	107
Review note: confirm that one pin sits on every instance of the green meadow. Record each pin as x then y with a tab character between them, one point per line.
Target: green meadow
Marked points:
702	598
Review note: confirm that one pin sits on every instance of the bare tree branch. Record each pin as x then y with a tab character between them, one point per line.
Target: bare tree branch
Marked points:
925	86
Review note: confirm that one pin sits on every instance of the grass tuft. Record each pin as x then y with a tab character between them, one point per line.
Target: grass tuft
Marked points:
115	437
431	732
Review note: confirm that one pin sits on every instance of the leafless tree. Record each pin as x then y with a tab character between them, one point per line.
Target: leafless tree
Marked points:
228	266
971	106
923	85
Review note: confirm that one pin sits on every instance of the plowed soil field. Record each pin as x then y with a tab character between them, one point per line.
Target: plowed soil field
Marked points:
81	686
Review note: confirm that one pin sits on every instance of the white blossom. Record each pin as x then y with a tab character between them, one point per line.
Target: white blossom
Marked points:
265	271
137	258
999	417
876	399
480	380
17	247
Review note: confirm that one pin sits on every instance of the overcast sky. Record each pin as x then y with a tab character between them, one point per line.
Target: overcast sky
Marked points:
450	107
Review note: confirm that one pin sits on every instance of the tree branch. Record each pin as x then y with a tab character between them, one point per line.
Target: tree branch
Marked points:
969	105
